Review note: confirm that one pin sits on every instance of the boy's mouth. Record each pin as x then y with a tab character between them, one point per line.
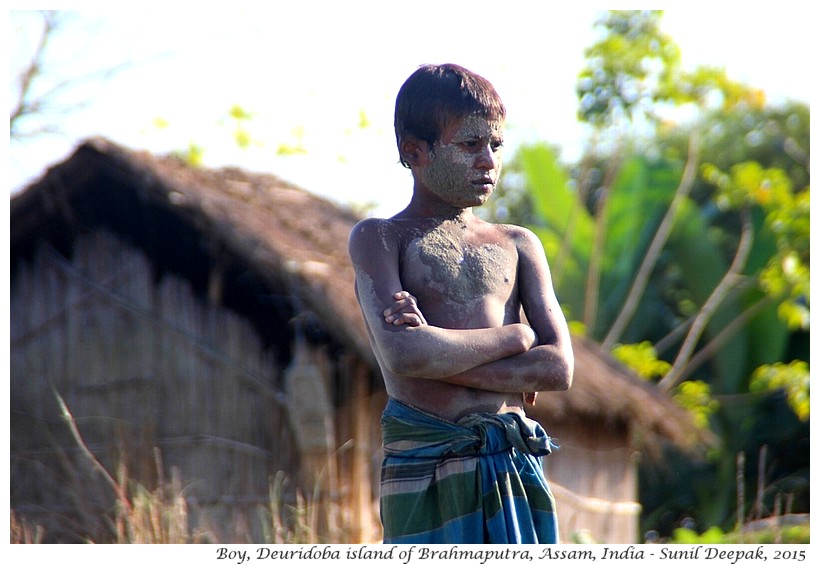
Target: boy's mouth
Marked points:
485	182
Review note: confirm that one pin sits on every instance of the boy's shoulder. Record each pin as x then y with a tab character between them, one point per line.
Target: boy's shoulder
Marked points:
510	230
526	242
397	226
372	233
386	225
370	224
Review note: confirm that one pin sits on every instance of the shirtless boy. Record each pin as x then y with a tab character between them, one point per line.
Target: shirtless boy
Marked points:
442	293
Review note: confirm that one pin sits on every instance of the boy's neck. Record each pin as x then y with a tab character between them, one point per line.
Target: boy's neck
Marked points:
430	210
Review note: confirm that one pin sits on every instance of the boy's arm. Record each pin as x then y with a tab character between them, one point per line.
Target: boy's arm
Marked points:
548	365
405	310
421	351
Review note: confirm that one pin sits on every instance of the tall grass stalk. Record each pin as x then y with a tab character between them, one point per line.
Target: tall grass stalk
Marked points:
162	515
23	532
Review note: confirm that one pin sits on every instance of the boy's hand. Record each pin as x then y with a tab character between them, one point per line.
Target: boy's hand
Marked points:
404	311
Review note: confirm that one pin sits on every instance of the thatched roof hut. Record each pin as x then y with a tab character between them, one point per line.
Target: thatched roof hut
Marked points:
264	253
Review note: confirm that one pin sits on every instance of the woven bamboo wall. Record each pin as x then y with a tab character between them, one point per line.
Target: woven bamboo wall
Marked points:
141	365
594	480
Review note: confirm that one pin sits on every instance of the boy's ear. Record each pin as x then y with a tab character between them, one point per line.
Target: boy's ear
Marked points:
413	150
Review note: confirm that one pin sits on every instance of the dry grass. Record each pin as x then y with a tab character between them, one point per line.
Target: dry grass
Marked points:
163	516
298	528
160	515
23	532
152	517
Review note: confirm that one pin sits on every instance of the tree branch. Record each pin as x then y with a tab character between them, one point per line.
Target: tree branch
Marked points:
50	84
728	281
33	69
706	352
670	338
655	247
597	251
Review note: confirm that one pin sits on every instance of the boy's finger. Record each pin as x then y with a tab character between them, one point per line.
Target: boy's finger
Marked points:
411	319
408	319
400	305
404	297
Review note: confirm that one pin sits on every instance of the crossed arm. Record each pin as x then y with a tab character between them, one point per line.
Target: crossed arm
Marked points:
405	311
509	358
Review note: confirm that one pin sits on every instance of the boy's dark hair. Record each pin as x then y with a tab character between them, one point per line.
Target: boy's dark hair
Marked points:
435	95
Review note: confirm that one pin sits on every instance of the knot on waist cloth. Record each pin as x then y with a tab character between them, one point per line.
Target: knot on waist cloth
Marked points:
413	433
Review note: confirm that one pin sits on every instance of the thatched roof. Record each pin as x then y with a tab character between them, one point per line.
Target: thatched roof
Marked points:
604	390
285	236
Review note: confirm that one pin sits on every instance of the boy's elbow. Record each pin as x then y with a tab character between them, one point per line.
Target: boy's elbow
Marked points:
569	371
566	381
397	364
401	362
556	374
409	365
565	373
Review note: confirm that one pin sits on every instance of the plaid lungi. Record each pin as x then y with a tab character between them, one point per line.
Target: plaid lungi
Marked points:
479	480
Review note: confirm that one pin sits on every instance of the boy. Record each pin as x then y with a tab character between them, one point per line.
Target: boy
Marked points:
442	292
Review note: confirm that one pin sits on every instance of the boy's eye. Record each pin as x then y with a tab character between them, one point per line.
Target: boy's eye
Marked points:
476	143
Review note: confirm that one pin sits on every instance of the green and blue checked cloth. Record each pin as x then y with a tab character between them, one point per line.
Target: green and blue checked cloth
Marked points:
476	481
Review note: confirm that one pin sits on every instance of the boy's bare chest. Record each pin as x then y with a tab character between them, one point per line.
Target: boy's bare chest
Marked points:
442	266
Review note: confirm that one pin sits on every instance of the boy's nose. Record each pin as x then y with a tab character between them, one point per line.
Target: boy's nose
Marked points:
485	158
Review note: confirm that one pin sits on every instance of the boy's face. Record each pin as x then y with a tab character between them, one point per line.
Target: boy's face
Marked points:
463	166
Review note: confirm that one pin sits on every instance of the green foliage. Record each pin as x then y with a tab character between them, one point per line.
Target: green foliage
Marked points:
785	534
635	69
637	199
642	358
793	378
779	534
238	119
562	223
683	535
192	155
776	137
749	184
696	397
297	147
785	276
708	83
726	300
241	136
632	67
238	113
560	216
364	121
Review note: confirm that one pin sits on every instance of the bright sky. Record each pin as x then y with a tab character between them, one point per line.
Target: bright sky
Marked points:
307	70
